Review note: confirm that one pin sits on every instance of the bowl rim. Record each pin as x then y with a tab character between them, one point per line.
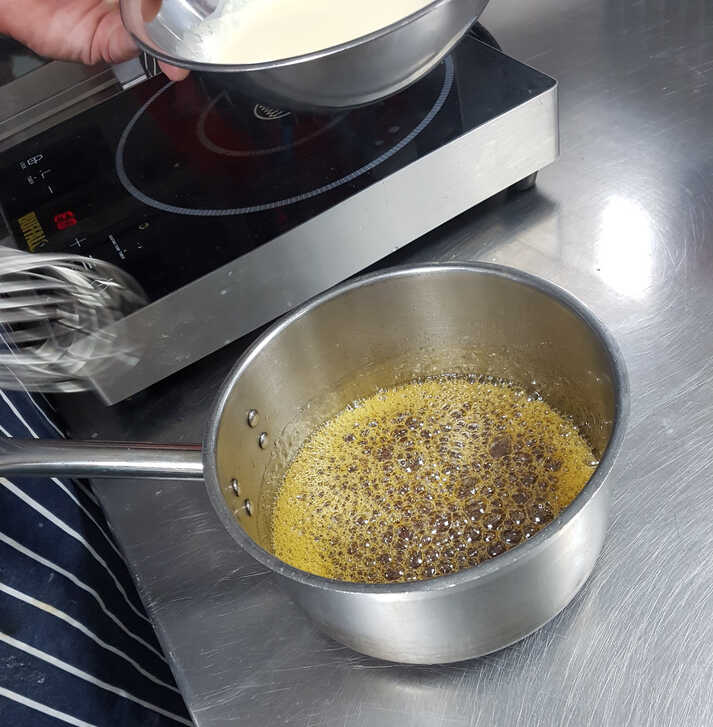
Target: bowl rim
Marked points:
467	576
281	62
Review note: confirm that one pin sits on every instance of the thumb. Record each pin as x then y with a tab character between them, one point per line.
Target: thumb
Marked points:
174	73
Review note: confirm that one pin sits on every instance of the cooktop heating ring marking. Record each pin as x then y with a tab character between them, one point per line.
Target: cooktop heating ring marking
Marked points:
164	207
210	145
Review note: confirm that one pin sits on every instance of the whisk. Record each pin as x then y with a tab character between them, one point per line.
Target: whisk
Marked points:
55	310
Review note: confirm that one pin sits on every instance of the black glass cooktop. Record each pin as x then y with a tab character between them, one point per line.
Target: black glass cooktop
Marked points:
170	181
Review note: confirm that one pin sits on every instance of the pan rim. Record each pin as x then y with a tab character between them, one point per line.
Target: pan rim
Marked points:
468	576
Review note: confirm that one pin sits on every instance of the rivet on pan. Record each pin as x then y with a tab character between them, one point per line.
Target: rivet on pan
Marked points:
253	417
248	507
263	440
235	487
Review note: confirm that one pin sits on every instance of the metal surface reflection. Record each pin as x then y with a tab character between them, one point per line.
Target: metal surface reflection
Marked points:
624	249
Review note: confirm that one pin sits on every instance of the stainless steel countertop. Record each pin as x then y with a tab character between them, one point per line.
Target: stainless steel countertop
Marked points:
624	220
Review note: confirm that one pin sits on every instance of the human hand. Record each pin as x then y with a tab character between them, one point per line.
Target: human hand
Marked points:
87	31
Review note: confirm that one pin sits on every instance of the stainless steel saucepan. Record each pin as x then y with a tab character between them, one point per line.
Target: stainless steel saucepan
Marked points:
351	74
378	331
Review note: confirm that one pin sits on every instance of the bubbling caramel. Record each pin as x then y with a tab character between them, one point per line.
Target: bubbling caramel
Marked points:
425	479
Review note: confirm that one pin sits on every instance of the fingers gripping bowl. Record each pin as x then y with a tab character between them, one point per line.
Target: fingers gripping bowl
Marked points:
385	330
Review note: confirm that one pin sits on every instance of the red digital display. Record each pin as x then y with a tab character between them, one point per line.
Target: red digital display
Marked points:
66	219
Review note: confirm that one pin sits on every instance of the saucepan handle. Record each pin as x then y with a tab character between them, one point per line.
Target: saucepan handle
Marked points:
59	458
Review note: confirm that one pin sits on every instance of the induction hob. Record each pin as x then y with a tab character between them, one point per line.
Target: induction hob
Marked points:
229	212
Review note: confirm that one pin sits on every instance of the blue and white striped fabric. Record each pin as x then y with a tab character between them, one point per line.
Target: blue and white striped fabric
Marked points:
75	644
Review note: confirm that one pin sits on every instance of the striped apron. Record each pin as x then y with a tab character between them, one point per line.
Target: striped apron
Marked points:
76	646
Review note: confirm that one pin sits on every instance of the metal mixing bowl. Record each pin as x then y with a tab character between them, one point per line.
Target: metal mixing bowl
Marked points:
351	74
